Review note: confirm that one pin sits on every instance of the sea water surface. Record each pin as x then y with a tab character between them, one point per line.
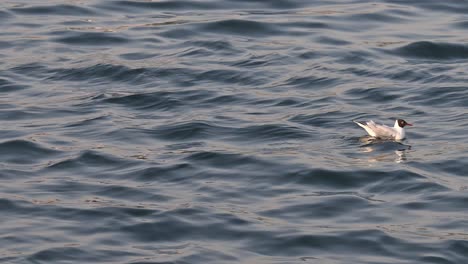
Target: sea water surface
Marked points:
220	131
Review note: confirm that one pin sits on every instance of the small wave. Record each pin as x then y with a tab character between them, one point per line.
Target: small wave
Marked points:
461	24
131	194
220	47
25	152
224	100
92	38
322	120
137	56
433	50
103	73
95	73
333	41
226	160
332	206
179	33
73	254
5	15
7	86
233	76
377	95
270	132
379	17
63	10
384	182
162	5
163	101
35	69
190	223
86	122
305	24
312	82
291	102
438	201
449	166
6	44
88	161
188	131
442	97
241	27
255	61
440	6
163	174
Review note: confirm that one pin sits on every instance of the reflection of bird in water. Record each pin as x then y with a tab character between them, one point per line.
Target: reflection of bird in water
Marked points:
397	132
401	156
374	145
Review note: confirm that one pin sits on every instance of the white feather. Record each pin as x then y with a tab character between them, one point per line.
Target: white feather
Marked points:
382	131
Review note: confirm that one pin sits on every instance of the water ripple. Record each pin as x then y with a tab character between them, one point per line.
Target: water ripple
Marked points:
221	132
431	50
61	10
92	38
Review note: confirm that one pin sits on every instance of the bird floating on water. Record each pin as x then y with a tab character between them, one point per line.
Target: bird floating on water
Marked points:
397	132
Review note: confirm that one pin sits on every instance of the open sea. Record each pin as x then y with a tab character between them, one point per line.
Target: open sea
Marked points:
220	131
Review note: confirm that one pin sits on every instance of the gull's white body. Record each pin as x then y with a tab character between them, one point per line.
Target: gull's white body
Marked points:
382	131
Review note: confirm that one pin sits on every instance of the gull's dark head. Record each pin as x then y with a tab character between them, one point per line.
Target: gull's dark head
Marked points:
402	123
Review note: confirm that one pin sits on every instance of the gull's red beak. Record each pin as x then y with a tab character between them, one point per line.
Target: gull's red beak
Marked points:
408	124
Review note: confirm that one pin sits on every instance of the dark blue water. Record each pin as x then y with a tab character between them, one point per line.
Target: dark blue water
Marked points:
203	131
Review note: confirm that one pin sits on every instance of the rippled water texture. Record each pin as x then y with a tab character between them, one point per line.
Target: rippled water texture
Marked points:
219	131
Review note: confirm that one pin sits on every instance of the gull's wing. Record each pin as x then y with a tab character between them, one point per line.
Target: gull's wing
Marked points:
381	130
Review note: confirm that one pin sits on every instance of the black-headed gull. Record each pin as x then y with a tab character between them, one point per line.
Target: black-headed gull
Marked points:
396	132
